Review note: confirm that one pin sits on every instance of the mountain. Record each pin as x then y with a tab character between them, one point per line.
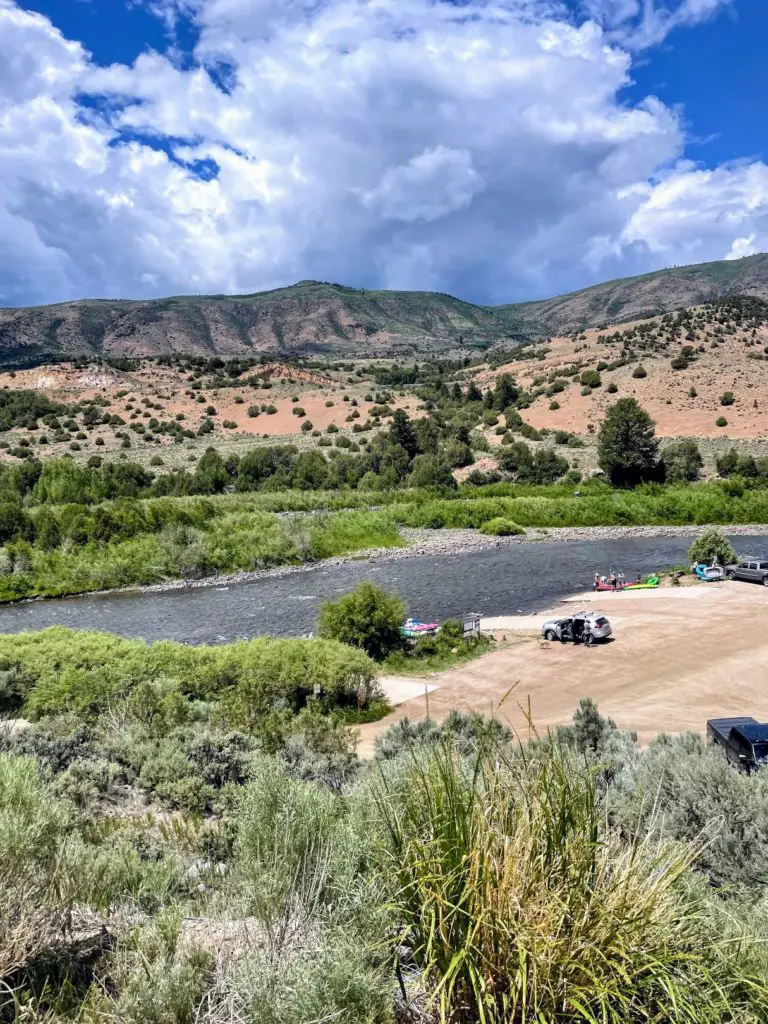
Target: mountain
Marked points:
307	317
316	317
634	298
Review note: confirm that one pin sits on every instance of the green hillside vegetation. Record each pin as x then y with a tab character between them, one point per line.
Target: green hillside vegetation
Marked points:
162	862
314	316
69	528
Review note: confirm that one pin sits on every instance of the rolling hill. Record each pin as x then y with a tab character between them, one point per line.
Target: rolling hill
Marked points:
314	317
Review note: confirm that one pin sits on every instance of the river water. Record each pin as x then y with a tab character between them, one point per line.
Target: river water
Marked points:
497	581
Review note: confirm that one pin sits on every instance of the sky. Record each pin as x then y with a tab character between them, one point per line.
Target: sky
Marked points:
498	150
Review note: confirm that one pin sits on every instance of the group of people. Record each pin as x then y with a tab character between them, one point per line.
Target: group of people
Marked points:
616	581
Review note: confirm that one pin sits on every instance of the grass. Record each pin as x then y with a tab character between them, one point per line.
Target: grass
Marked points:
518	903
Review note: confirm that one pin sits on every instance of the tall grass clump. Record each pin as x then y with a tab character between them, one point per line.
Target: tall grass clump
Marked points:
519	904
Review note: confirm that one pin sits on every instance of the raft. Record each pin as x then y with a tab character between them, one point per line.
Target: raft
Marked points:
709	573
412	629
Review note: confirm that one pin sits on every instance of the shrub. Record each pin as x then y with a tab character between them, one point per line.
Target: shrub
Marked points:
727	398
612	388
306	426
297	410
681	462
639	372
721	421
712	546
554	406
253	411
501	527
591	379
368	618
34	877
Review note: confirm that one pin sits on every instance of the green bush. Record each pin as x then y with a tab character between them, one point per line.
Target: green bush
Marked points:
501	527
368	618
85	672
712	546
681	461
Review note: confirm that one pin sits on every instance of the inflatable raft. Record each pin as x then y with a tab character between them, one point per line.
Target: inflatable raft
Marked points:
412	629
709	573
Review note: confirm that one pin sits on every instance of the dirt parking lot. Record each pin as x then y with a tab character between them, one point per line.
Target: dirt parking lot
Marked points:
679	656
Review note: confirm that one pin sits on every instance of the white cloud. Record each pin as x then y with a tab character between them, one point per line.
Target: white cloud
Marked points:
427	187
693	215
643	23
480	148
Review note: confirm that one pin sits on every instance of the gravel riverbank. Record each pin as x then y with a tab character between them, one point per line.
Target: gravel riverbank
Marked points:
445	542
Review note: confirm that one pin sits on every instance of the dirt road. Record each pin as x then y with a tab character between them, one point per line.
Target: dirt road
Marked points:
680	656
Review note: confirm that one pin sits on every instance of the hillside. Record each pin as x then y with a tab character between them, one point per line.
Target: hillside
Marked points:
307	317
701	373
313	316
635	298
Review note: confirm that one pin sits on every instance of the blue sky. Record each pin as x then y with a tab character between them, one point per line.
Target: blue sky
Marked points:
497	150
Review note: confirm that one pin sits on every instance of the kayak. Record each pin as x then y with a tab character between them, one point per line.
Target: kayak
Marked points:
650	584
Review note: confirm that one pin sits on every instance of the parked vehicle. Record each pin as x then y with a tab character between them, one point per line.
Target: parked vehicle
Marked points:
744	740
752	570
583	627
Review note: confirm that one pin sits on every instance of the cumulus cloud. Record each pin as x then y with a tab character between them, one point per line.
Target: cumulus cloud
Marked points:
431	185
480	148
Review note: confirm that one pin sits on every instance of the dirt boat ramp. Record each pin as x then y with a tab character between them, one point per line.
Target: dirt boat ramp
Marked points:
680	655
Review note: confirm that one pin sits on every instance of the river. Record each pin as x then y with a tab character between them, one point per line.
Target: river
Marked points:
497	581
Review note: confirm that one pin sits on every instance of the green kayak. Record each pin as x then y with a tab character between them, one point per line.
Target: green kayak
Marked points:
650	584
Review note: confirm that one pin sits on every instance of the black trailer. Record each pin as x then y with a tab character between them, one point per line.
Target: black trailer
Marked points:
744	740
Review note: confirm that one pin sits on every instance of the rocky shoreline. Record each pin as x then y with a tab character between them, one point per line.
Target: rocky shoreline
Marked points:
421	542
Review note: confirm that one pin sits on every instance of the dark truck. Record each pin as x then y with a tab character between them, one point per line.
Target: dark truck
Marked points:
744	740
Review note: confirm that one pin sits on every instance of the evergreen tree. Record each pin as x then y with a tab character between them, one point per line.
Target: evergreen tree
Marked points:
401	432
627	445
506	392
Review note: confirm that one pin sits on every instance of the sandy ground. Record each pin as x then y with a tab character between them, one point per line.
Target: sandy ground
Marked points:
678	658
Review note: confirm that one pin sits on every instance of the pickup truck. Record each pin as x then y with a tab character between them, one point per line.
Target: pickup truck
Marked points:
744	740
751	570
